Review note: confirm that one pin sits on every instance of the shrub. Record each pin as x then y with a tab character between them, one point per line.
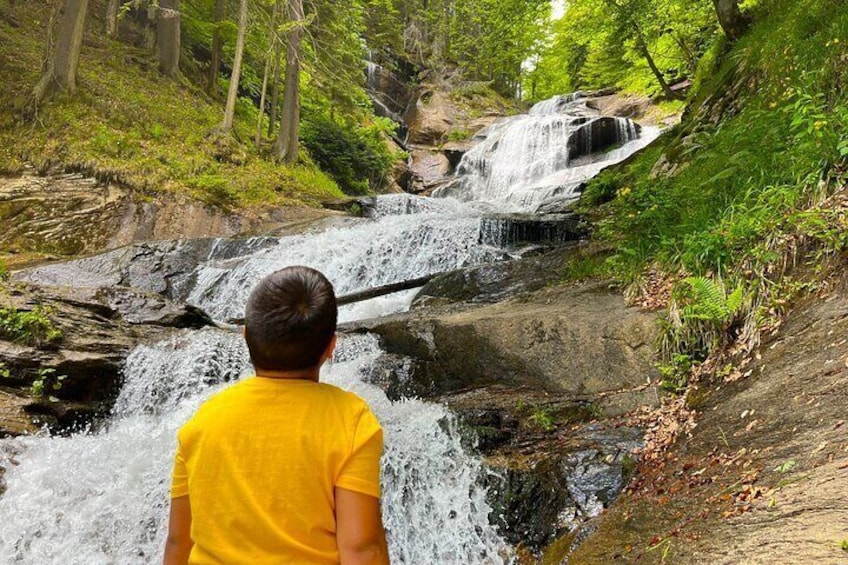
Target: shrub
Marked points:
30	327
357	158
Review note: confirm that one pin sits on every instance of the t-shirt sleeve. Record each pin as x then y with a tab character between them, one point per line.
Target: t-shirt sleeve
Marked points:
361	470
179	478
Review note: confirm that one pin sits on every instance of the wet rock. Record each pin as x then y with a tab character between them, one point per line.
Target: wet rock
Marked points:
80	374
581	341
512	230
390	95
595	136
539	497
162	267
495	282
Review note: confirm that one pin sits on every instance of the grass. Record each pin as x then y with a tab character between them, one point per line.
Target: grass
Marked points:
740	190
129	124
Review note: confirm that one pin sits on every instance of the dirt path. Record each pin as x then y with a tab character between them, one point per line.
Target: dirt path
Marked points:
764	477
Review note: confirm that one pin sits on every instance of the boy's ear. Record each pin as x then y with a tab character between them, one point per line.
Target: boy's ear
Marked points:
328	352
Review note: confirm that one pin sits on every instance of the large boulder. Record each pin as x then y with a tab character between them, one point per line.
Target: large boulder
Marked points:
582	341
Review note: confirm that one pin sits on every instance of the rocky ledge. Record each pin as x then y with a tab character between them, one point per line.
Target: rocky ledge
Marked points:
540	378
79	373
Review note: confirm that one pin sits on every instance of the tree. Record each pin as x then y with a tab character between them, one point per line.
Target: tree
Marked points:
730	18
286	146
112	17
217	48
63	60
168	37
232	96
268	56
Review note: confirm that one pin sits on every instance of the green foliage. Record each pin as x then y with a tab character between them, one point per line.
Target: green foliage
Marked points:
543	419
357	158
47	381
598	44
785	467
675	373
699	317
30	327
844	545
4	371
4	271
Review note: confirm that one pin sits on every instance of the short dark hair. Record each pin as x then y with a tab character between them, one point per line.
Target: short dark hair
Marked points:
290	318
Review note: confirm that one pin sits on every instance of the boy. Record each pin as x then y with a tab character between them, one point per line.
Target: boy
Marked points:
279	468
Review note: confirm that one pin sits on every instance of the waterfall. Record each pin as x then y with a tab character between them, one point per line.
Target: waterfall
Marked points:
525	162
101	496
95	498
426	238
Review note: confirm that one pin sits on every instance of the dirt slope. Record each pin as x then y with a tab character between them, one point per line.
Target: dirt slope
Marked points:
764	477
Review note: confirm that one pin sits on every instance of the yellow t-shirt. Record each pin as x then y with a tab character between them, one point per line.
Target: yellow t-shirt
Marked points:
260	461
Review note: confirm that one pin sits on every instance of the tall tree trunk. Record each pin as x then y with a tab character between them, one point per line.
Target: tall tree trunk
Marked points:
272	37
112	18
229	112
217	49
63	62
643	48
168	37
275	86
730	18
286	147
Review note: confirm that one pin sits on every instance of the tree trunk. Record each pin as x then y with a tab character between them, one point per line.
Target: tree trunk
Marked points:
217	48
268	56
168	37
63	62
275	88
232	96
730	18
643	48
286	147
112	18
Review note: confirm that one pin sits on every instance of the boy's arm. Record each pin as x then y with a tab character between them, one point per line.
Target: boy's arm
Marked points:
359	529
179	543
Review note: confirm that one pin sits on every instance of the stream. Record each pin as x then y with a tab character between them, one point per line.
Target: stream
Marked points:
101	496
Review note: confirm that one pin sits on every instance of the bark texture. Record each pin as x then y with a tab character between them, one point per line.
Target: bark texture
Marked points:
63	61
286	147
230	110
731	19
112	17
168	37
217	48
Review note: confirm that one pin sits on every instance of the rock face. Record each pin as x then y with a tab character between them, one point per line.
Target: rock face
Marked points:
99	326
536	380
580	341
70	214
161	267
781	428
513	230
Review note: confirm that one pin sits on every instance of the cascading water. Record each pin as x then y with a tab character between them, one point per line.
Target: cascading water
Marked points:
526	162
101	496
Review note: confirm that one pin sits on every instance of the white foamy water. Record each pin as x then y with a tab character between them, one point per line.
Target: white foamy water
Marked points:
412	237
528	161
102	498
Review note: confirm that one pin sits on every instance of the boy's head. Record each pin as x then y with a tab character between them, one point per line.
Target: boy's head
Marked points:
290	320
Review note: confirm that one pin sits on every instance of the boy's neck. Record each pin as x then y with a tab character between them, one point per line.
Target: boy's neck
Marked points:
310	374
